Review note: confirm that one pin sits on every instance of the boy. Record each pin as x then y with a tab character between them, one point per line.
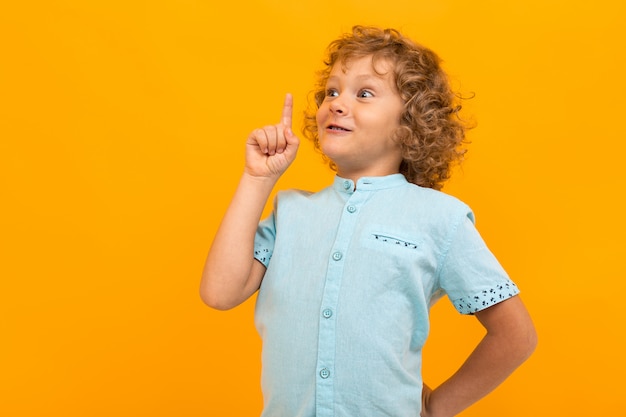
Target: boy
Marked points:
346	275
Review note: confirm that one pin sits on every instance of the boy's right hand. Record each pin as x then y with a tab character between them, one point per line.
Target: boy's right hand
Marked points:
270	150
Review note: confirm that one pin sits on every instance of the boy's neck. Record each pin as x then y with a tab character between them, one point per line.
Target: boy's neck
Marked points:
355	181
355	177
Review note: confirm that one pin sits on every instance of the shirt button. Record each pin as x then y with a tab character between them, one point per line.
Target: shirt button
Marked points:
324	373
347	185
351	209
337	256
327	313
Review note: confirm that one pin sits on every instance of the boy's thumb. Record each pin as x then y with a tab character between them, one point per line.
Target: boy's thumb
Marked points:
292	140
290	137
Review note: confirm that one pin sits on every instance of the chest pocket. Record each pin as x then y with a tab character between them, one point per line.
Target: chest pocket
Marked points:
396	241
391	241
393	257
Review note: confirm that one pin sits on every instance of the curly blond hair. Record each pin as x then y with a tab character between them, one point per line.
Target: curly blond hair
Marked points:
431	133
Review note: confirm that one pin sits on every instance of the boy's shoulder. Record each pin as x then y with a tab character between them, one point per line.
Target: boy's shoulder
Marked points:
294	193
437	207
432	197
292	196
434	207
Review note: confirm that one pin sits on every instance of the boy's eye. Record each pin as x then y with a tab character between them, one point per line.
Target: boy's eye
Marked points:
331	93
365	94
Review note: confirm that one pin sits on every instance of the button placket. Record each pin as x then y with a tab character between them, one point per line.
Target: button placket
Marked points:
328	315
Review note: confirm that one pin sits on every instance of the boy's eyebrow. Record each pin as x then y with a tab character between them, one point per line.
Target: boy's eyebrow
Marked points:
361	77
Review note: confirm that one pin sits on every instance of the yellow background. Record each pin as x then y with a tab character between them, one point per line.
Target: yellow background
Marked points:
121	140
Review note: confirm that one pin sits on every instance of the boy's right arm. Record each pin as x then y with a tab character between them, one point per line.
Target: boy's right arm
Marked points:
231	274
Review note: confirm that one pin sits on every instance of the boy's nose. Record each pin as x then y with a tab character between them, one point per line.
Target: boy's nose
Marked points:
338	105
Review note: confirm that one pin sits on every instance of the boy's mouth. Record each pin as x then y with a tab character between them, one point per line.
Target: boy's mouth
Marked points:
337	128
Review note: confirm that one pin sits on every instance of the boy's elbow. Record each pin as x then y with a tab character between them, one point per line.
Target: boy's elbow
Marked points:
223	290
216	303
531	341
524	343
215	298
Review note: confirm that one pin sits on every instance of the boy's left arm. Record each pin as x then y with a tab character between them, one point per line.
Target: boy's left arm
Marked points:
510	340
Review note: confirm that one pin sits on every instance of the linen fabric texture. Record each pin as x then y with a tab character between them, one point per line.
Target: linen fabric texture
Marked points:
351	274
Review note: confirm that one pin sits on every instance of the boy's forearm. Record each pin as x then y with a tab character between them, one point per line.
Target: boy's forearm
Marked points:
227	280
481	373
508	343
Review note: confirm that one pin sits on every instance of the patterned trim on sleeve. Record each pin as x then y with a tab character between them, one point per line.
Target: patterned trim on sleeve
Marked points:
263	256
486	298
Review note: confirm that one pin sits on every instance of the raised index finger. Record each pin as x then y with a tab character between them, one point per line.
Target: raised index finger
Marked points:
287	110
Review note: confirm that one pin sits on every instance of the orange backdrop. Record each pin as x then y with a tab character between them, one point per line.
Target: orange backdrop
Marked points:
121	140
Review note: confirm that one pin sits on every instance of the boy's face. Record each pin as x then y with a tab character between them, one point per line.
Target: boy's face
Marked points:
357	118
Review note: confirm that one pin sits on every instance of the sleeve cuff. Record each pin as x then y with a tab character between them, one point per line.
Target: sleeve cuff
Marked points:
486	298
263	255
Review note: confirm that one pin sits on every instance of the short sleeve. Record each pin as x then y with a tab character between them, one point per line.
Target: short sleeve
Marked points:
471	275
264	240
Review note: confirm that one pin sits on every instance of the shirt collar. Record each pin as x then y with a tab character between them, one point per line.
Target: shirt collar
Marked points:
369	183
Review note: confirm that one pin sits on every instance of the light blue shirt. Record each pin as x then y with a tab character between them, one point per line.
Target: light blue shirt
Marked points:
351	274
